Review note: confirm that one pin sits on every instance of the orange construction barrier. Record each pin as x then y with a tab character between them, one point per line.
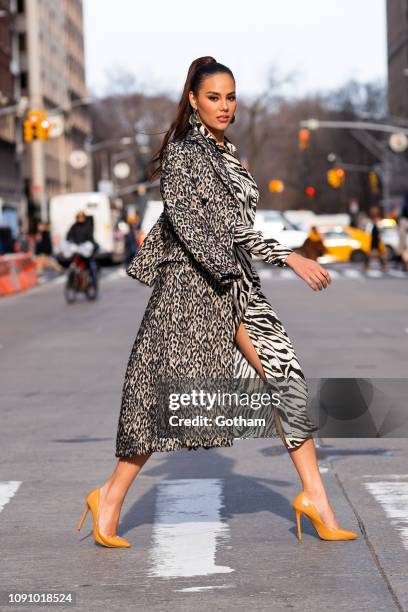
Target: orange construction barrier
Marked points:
17	273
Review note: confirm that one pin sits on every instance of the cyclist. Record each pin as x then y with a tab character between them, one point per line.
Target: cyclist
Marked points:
82	231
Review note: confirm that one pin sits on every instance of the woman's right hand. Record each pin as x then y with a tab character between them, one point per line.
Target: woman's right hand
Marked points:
314	275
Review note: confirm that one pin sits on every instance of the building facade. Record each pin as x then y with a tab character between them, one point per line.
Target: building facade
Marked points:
12	199
54	62
397	42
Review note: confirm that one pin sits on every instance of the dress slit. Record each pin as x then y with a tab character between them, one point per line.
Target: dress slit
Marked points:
274	348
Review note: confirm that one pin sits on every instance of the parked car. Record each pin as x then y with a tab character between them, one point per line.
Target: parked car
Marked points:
390	237
275	226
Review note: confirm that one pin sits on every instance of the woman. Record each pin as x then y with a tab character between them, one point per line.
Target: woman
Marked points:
207	316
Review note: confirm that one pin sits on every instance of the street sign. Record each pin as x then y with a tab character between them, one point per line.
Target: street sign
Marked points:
56	126
398	142
78	159
121	170
313	124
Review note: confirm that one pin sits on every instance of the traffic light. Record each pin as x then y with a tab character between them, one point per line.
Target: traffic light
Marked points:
310	191
28	134
43	129
276	186
34	119
374	183
304	139
336	177
36	126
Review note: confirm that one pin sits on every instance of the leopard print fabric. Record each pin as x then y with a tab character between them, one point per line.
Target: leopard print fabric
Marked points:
197	257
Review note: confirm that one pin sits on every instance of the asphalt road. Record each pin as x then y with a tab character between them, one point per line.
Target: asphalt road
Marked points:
210	529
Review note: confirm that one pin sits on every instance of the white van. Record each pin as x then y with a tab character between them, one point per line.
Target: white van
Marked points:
152	212
276	226
106	222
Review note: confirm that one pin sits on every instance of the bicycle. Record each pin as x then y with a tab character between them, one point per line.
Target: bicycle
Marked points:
79	279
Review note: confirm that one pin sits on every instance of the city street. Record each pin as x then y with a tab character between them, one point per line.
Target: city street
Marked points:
212	529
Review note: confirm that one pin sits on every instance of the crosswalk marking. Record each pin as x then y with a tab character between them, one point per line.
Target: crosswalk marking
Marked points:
393	496
269	272
334	273
188	528
397	273
8	488
352	273
343	273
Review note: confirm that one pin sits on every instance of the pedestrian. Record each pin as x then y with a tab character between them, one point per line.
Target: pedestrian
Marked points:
313	246
402	233
207	317
131	240
377	247
44	257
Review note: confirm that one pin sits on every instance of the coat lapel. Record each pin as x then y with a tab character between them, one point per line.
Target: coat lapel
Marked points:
216	160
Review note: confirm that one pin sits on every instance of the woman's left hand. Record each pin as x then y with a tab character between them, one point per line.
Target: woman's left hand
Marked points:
312	272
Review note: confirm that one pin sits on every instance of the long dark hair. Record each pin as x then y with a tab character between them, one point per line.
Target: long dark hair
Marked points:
199	69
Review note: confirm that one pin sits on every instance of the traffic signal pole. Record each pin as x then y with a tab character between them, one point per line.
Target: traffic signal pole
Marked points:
360	131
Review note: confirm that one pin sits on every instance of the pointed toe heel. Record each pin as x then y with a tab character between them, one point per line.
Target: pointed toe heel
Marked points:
302	505
92	504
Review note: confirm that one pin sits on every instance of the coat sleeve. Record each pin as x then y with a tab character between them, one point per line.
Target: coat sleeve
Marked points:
253	241
184	209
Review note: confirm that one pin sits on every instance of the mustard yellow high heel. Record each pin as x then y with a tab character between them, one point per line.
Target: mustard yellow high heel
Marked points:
302	505
92	504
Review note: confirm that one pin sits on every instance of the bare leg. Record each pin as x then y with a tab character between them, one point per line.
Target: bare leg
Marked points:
53	263
39	263
113	492
366	265
303	457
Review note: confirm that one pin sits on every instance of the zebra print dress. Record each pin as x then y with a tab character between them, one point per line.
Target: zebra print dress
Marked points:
275	350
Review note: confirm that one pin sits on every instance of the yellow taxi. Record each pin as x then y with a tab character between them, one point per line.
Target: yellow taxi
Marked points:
344	243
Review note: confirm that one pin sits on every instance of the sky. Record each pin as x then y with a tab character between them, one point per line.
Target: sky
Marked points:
322	42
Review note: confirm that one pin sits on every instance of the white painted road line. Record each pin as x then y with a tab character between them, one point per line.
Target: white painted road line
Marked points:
334	273
351	273
204	588
397	273
393	497
188	528
8	488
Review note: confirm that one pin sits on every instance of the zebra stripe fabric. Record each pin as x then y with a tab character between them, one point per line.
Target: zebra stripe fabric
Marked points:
273	345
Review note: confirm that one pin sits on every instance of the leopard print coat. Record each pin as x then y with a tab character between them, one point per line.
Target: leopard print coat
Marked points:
187	331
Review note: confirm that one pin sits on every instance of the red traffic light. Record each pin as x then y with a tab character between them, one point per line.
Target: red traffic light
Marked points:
304	139
310	191
304	135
